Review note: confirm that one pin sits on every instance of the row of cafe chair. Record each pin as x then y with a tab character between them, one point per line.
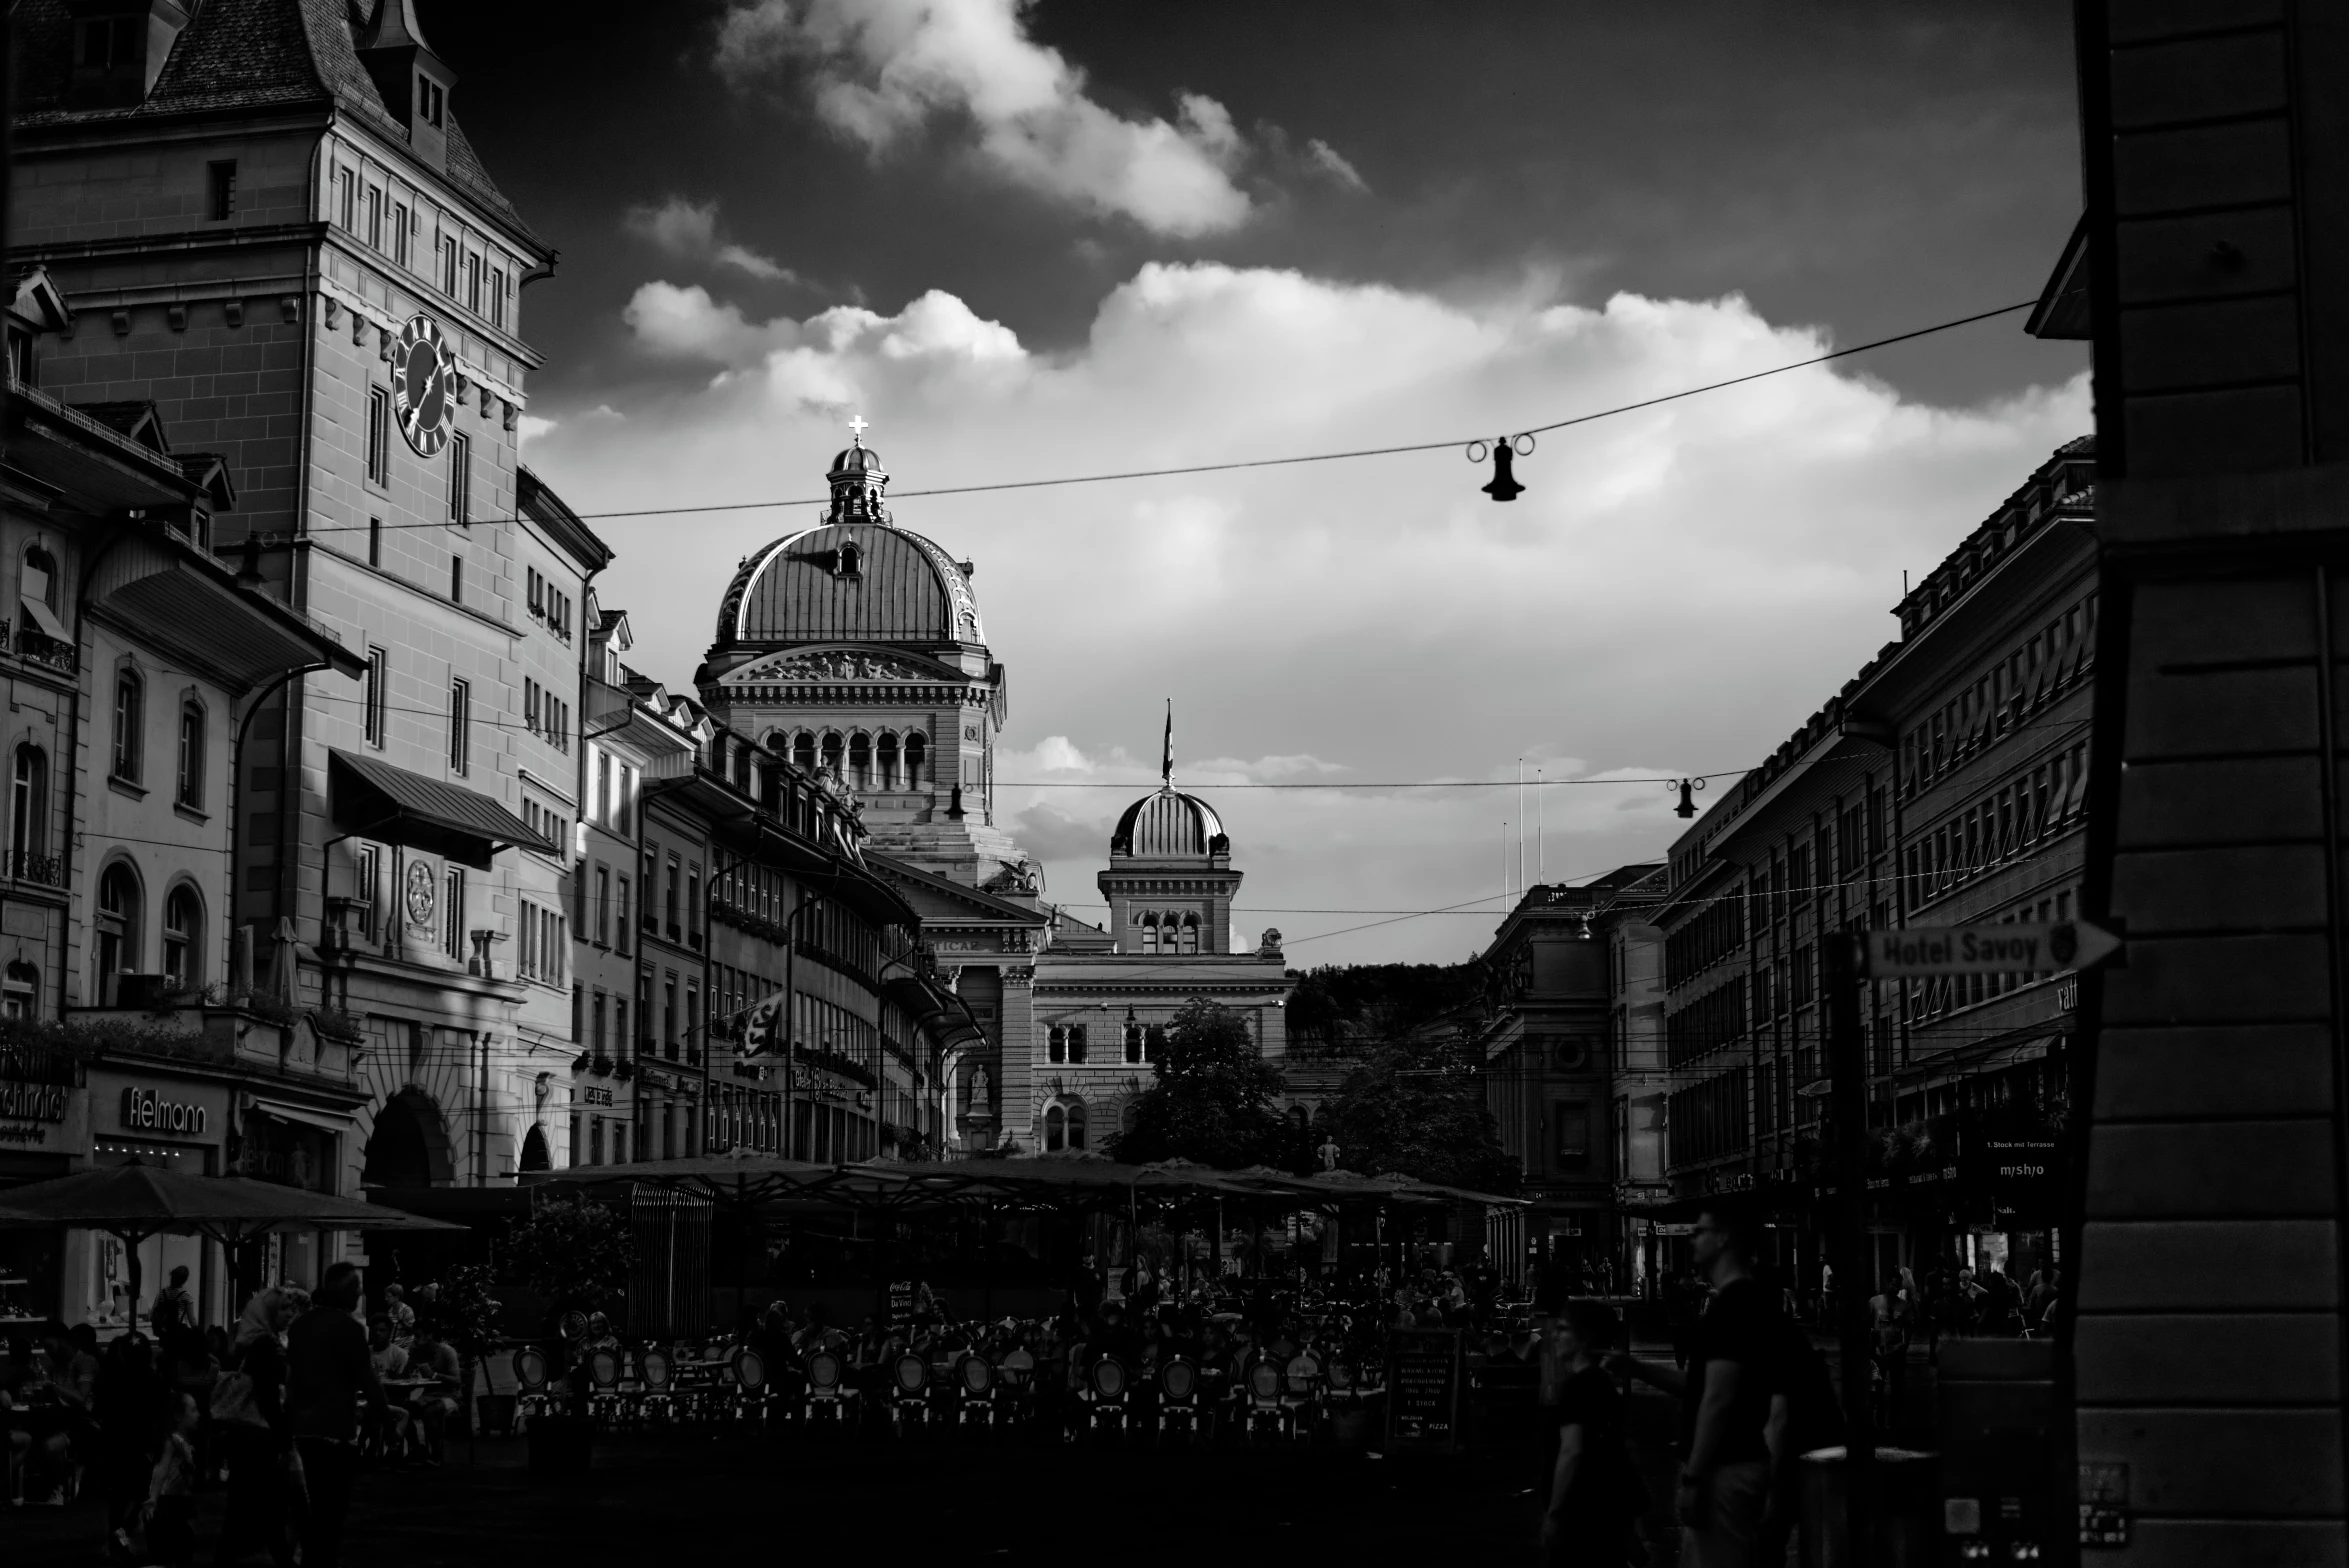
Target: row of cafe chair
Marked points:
655	1387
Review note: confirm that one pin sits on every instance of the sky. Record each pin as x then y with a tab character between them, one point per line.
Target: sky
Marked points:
1039	239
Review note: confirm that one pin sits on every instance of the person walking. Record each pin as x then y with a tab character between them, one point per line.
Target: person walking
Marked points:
1595	1491
174	1308
328	1376
257	1441
1888	1350
1732	1398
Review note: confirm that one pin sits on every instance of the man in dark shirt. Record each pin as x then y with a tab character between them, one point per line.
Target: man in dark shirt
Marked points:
328	1374
1732	1400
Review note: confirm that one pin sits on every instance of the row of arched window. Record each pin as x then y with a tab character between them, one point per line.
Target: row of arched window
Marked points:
863	759
1065	1120
121	932
1168	933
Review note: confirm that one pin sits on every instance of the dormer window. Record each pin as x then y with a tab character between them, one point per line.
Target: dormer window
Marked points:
432	101
849	562
106	42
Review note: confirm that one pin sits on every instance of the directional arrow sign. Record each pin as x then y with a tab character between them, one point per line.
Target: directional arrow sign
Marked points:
1988	949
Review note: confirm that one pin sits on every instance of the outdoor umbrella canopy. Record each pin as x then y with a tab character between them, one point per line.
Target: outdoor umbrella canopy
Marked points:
135	1201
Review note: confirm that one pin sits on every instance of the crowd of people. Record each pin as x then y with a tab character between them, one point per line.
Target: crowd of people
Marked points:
278	1410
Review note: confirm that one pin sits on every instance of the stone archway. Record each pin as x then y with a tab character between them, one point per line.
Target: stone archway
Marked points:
410	1144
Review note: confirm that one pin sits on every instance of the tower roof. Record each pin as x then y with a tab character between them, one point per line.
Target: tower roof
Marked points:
849	582
1170	825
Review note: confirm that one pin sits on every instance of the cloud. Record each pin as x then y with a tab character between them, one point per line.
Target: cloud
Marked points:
880	71
689	230
530	427
1332	165
1678	588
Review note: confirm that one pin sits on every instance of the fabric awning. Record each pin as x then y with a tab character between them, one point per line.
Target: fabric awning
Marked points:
370	798
45	620
324	1121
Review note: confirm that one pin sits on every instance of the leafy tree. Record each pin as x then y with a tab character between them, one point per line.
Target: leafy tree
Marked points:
575	1253
1212	1100
1416	1107
1342	1009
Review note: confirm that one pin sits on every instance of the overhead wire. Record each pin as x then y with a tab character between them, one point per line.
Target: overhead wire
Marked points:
1240	464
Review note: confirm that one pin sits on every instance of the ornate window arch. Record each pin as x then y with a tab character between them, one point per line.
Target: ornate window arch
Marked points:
1150	933
1055	1128
917	757
183	936
803	751
860	759
1190	934
1056	1044
1076	1123
121	915
885	755
828	751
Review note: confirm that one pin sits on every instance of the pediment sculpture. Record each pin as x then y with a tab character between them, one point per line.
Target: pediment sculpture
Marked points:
839	665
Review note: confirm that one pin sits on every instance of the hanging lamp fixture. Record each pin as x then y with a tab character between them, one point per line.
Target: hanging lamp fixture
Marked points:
1504	451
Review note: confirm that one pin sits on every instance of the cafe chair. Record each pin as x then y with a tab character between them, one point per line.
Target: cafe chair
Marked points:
909	1391
533	1396
1019	1383
751	1388
658	1373
1301	1393
976	1384
1107	1391
1178	1397
828	1395
607	1405
1262	1393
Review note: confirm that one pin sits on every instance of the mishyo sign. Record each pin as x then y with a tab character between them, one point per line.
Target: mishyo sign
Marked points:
143	1110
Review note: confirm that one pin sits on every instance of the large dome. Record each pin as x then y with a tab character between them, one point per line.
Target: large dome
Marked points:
1170	826
849	582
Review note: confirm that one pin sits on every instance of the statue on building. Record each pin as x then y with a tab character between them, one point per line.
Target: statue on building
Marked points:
982	1088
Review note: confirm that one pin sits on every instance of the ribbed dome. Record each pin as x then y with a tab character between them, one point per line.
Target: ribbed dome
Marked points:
849	582
1170	826
858	459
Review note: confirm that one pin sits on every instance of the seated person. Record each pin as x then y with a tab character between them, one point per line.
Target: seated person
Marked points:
401	1315
436	1358
390	1361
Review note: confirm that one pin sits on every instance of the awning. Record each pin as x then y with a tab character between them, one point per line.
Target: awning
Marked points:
372	799
45	620
322	1120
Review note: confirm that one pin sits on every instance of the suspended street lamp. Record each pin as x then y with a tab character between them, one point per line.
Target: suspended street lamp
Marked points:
1503	450
1687	806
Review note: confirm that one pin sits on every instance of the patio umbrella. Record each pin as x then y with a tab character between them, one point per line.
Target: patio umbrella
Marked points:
134	1201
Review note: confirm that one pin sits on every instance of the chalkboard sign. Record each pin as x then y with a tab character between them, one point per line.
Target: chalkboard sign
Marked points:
1423	1391
900	1309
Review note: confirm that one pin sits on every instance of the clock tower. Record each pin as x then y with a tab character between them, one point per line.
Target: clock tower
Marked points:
271	226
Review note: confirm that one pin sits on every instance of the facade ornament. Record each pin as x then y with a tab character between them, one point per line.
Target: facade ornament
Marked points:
841	665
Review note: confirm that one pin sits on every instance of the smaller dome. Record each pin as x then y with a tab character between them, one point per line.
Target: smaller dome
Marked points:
1170	826
858	459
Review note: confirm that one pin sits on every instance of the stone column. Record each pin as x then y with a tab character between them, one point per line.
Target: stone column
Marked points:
1016	1087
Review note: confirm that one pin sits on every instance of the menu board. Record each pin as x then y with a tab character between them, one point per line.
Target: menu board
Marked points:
899	1309
1423	1391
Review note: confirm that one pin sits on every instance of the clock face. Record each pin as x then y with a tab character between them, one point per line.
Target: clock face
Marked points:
420	896
424	393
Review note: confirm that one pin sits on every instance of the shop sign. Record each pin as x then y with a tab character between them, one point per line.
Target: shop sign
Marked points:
1987	949
36	1102
143	1110
598	1096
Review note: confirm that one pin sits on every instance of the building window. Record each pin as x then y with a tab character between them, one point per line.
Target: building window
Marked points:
1133	1043
368	864
452	915
432	100
460	726
118	928
346	185
603	906
860	760
1153	1043
375	217
473	282
461	480
378	456
372	698
1190	934
403	224
1056	1045
803	752
28	813
20	991
917	753
887	755
183	939
620	914
129	715
1055	1128
669	1017
447	245
457	578
497	296
220	190
191	754
1570	1133
375	541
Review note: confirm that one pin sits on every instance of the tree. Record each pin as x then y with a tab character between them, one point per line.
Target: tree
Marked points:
1212	1099
1416	1107
575	1253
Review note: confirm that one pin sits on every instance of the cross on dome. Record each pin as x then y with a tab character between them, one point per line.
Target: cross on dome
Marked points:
857	428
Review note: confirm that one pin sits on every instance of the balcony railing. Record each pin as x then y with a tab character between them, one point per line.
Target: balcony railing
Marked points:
40	870
30	644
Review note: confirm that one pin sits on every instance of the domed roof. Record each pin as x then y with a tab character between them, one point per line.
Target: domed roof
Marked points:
849	582
1170	825
858	459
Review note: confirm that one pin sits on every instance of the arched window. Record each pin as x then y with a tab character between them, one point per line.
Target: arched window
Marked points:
860	760
917	752
39	583
20	991
1133	1043
118	927
1149	933
1055	1128
1076	1124
1126	1115
830	759
1056	1045
191	754
1076	1044
28	813
130	702
887	749
183	938
1153	1043
803	751
1190	934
